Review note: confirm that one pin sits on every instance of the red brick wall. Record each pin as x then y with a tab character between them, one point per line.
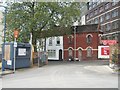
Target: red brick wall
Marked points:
81	42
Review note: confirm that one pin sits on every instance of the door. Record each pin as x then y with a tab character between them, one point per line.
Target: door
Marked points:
60	54
80	54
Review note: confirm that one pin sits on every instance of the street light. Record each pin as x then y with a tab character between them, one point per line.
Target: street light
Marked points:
3	50
75	24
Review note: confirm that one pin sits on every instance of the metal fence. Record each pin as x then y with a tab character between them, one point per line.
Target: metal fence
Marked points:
42	58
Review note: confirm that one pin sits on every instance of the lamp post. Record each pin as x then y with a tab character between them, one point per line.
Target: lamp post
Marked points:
3	50
75	24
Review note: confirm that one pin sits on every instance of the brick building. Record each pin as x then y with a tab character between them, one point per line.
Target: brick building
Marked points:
87	42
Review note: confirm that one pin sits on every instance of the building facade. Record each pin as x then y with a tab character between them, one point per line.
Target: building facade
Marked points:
107	15
83	9
54	47
86	46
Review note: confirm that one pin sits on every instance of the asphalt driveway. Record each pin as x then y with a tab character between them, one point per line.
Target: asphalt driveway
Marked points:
58	74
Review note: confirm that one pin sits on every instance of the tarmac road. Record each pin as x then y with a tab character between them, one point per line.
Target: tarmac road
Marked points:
57	74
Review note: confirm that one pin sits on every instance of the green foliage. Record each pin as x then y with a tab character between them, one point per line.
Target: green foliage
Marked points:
40	18
115	57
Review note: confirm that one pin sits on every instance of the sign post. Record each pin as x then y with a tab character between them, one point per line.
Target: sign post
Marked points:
16	33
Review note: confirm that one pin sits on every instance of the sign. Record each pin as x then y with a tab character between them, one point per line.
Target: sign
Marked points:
109	42
21	52
9	62
15	44
103	52
16	32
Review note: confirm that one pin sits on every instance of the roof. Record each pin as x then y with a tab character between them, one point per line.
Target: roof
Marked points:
86	28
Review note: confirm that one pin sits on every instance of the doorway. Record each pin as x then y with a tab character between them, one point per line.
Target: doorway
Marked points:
80	54
60	54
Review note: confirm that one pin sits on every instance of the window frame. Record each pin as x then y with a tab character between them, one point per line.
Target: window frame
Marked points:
89	39
70	39
107	25
96	20
101	9
115	25
89	53
50	41
114	13
107	5
107	16
58	40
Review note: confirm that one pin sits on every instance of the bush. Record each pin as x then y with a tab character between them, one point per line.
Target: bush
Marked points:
115	57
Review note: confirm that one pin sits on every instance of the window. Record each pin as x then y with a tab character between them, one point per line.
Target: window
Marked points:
58	41
89	39
96	12
108	27
98	2
107	16
90	3
107	5
101	8
114	13
90	7
89	22
87	17
96	21
70	52
91	14
92	21
89	52
114	2
94	4
51	53
116	37
50	41
115	25
101	19
113	37
80	54
102	28
108	37
70	39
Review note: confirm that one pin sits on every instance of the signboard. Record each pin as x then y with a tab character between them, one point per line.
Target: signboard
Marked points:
16	32
21	52
109	42
15	44
9	62
103	52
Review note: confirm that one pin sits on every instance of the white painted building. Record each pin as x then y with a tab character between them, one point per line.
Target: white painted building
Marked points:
54	47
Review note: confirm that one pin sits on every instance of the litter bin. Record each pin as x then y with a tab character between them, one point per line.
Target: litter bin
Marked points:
22	55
